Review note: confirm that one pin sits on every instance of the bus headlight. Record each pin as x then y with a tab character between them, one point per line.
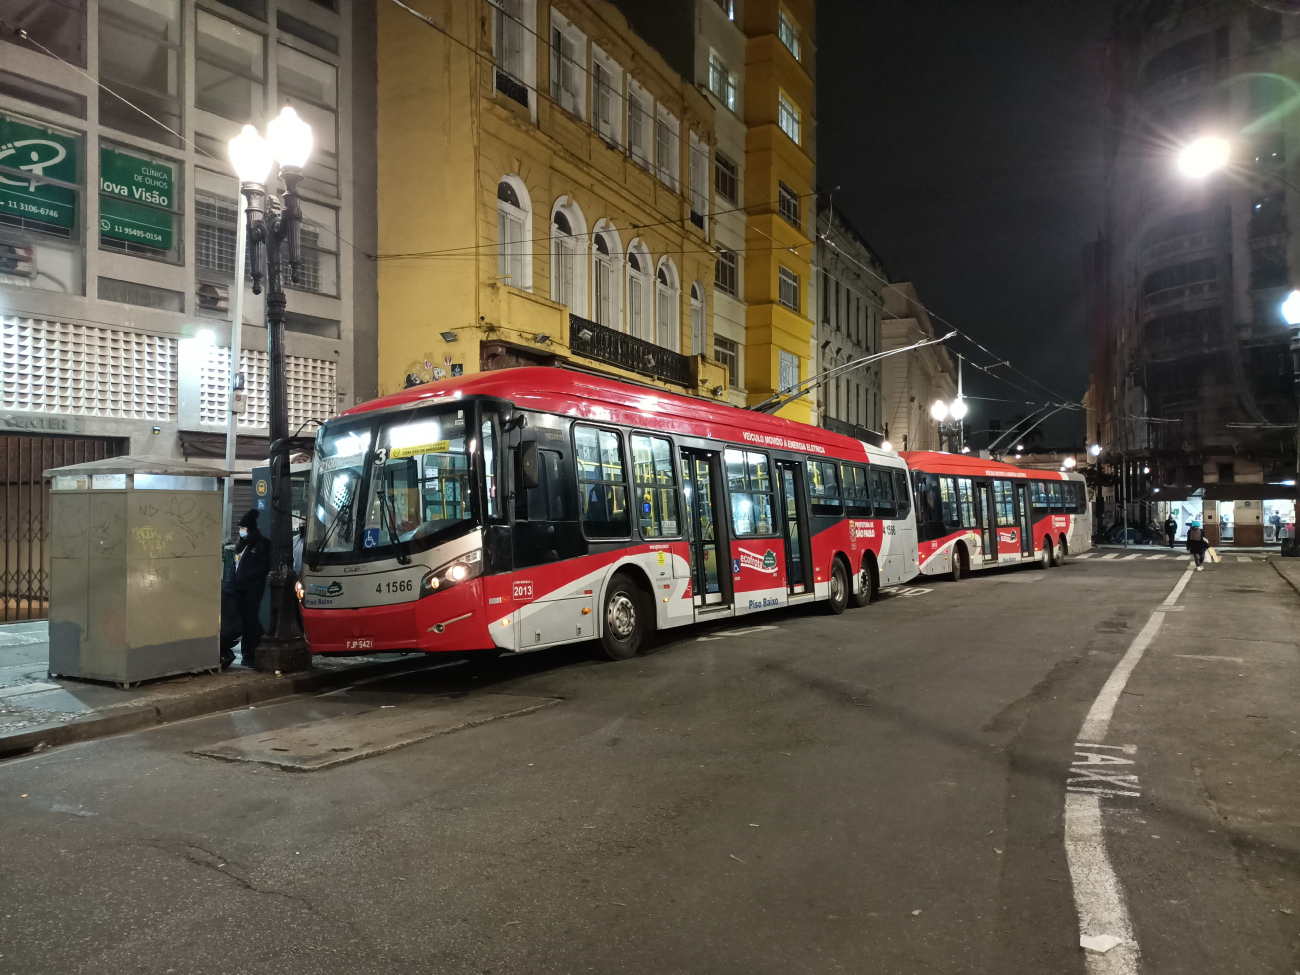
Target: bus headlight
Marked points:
462	569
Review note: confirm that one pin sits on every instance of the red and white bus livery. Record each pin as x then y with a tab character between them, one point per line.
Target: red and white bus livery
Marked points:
524	508
975	514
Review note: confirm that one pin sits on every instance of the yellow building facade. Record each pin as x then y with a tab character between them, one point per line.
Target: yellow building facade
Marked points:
544	190
779	152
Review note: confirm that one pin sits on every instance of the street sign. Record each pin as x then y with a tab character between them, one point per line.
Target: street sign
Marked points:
38	152
135	195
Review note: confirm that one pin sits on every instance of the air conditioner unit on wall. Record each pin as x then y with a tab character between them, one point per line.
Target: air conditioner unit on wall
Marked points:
212	297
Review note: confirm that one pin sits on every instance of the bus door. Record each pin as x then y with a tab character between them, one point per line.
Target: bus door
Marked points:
705	534
1025	514
794	525
988	522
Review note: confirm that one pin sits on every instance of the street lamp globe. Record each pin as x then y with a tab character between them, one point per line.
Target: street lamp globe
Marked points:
1095	450
886	445
1291	308
939	410
1204	156
1068	463
290	138
958	409
251	156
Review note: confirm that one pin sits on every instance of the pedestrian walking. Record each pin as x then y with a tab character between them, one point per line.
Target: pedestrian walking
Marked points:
1196	544
252	566
1171	530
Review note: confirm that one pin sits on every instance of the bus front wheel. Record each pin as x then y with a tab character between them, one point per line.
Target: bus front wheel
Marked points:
624	619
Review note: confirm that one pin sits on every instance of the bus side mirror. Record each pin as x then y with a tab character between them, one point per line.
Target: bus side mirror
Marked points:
527	461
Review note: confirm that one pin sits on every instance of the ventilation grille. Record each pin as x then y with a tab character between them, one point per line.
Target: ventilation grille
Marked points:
310	381
57	367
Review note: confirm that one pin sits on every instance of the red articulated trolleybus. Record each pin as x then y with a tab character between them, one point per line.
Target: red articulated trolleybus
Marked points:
975	514
524	508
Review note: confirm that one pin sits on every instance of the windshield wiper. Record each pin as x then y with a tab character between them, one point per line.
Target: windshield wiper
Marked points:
343	509
390	509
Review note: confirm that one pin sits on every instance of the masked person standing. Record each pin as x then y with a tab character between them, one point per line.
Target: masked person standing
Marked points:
252	566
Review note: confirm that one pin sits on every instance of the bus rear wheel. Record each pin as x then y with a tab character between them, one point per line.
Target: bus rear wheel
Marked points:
840	590
1049	554
624	619
870	584
1063	552
960	565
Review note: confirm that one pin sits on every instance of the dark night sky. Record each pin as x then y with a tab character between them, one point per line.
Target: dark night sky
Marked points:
965	139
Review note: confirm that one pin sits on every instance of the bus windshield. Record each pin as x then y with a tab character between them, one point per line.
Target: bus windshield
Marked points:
392	485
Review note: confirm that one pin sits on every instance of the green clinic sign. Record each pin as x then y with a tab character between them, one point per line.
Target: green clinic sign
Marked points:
135	195
37	152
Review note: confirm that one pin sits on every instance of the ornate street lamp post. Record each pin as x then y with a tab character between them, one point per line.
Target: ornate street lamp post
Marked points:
272	227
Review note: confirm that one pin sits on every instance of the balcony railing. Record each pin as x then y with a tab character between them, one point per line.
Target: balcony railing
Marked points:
511	88
586	338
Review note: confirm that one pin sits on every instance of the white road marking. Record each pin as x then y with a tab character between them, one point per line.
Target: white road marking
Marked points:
1130	558
1243	558
1109	555
1098	897
1152	558
1085	555
1200	656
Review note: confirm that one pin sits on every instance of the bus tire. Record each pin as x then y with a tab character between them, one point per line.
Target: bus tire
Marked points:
1063	552
870	583
1049	553
960	563
623	622
1042	562
840	590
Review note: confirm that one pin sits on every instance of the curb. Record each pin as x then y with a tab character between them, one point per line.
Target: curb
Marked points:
135	718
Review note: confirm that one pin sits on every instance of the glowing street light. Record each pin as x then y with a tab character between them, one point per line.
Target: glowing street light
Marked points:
939	410
958	408
1068	463
1095	450
1291	308
1204	156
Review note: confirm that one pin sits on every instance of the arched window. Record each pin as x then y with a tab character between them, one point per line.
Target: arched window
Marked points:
697	318
514	234
569	256
639	296
668	306
605	250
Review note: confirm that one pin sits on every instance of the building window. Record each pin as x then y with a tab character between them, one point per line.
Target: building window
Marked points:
568	66
722	82
138	210
40	223
787	117
726	179
697	318
638	124
514	228
699	182
216	216
512	43
638	292
668	306
666	151
728	8
568	257
789	33
311	87
606	98
1268	215
787	369
787	202
141	60
319	273
604	284
789	288
230	70
725	273
1268	267
59	26
727	352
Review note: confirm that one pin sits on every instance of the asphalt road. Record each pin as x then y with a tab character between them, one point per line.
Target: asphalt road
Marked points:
877	792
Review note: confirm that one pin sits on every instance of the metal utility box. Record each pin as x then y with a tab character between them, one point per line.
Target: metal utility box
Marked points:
135	569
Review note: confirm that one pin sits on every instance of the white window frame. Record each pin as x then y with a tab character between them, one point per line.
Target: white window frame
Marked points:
721	161
788	117
520	219
668	305
788	32
787	279
787	370
723	82
569	257
701	178
606	271
734	263
640	125
640	296
514	44
568	65
668	148
699	326
606	97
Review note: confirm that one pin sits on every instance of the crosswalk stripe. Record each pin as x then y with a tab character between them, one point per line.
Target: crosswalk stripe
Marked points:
1130	558
1109	555
1243	558
1084	555
1152	558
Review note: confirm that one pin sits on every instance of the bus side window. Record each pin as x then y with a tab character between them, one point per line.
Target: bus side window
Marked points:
602	482
1004	500
902	493
750	484
546	502
1039	491
656	487
966	495
823	487
948	500
490	456
857	497
882	492
1054	495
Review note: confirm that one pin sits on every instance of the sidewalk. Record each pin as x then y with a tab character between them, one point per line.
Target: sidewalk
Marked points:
37	711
